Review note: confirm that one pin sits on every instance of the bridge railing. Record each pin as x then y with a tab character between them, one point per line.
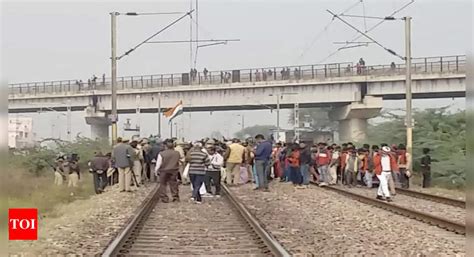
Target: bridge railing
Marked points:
256	75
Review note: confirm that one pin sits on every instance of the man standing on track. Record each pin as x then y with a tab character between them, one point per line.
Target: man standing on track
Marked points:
198	161
404	160
122	154
235	158
323	158
263	154
213	172
384	165
167	163
99	166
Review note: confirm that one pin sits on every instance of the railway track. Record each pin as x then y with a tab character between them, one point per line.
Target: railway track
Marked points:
219	226
434	198
441	222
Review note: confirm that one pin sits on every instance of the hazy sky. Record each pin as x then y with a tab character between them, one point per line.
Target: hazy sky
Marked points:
71	40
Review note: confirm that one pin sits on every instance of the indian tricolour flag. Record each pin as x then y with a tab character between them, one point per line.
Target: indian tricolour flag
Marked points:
175	111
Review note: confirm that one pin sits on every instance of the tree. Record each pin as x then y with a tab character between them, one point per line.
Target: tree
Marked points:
437	129
265	130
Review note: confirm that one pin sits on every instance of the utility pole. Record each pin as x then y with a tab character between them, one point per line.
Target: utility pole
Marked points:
171	129
278	118
138	125
69	120
297	122
409	120
159	114
176	130
114	117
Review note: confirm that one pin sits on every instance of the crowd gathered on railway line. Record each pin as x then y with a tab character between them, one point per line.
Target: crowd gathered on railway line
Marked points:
206	164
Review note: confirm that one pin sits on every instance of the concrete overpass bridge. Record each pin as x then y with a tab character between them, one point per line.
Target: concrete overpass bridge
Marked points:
354	95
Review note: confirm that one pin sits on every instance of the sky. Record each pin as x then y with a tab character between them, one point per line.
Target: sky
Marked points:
43	41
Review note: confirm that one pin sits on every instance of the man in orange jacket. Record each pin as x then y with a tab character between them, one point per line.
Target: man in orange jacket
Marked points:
384	164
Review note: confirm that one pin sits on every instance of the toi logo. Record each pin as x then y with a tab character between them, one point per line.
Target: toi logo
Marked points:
23	224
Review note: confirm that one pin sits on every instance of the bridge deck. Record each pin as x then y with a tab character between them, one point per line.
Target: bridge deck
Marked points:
444	64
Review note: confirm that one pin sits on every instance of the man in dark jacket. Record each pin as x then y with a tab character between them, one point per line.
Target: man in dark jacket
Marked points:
99	166
305	163
167	164
263	154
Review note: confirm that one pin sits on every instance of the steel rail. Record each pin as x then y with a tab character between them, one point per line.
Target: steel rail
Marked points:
434	198
148	204
276	248
449	225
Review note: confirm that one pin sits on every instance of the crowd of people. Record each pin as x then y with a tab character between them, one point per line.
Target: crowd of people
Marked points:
207	163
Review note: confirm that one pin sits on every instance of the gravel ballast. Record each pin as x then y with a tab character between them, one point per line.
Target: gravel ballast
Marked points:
449	212
318	222
83	227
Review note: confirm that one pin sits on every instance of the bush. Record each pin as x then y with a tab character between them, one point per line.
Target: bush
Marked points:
441	131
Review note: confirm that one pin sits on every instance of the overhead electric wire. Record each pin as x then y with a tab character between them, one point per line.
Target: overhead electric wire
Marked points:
370	29
146	40
320	33
152	13
367	36
368	17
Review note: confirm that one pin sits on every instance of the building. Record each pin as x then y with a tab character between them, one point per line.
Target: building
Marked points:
20	132
306	135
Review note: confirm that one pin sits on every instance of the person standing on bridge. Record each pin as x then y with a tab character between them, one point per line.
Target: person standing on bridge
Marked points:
384	165
167	164
122	155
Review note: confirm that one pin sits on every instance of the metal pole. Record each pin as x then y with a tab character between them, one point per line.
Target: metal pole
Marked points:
113	16
171	129
243	125
69	120
138	115
278	117
159	114
176	129
409	124
297	122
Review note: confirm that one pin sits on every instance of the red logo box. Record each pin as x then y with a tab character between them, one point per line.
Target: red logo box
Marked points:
23	224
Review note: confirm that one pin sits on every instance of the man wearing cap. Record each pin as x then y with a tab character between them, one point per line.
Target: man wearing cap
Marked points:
167	164
235	155
98	167
122	154
384	165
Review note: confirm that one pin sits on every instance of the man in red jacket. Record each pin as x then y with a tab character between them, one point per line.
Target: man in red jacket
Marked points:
384	164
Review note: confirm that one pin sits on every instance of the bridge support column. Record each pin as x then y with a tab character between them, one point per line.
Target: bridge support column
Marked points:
99	123
353	118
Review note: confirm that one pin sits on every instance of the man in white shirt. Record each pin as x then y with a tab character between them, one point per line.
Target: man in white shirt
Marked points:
213	172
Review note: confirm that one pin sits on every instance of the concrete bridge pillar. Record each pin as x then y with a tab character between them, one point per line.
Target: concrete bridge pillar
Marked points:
353	118
99	123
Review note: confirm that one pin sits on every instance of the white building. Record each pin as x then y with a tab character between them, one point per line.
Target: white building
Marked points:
20	132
